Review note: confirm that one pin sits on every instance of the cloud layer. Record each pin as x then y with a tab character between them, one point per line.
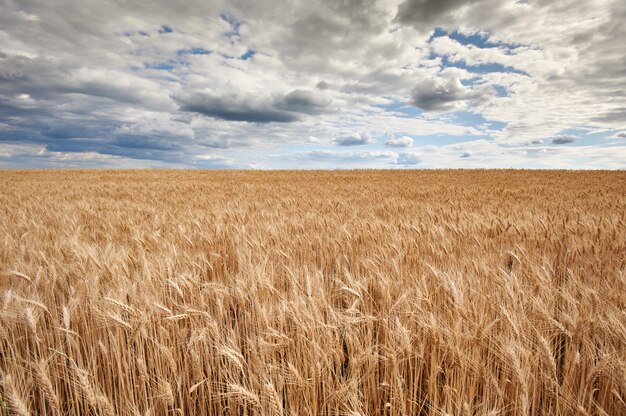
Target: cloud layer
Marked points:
216	84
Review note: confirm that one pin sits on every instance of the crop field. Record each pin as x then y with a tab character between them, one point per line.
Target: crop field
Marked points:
312	293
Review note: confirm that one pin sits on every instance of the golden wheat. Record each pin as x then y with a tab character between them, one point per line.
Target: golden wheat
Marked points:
284	293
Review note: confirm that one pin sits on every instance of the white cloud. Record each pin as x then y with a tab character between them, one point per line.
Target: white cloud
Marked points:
440	94
404	141
408	159
353	139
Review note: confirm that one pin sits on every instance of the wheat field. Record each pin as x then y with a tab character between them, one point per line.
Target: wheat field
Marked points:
312	293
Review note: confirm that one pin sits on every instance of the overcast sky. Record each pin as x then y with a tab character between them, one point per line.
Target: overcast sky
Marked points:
313	84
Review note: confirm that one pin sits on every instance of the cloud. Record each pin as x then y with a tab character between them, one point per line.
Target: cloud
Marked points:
235	107
329	154
323	85
353	139
244	81
404	141
614	115
487	58
466	155
621	135
304	102
220	142
214	162
408	159
425	12
563	140
445	95
338	159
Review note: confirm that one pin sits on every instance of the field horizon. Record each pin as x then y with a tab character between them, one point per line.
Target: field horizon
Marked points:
334	292
187	169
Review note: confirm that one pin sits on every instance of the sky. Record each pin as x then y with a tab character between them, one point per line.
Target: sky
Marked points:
286	84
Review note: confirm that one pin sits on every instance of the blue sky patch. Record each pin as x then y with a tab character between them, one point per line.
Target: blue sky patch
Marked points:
479	69
470	119
466	118
581	136
480	40
402	109
161	66
249	54
192	51
501	91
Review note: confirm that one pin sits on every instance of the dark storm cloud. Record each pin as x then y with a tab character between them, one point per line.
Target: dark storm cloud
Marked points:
89	133
426	12
563	140
301	101
232	108
283	109
45	128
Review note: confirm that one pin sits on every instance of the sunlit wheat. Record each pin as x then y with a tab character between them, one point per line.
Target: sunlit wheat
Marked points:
334	293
